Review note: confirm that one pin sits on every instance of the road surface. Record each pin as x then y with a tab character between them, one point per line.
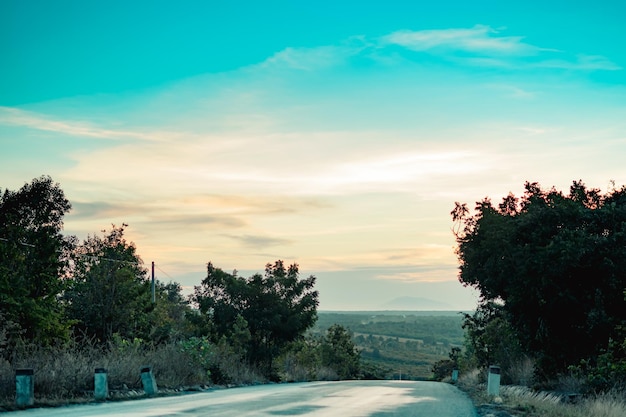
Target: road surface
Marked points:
317	399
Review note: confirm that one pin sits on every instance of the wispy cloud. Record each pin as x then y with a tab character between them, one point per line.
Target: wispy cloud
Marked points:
423	254
32	120
433	273
582	62
250	204
259	242
308	59
319	57
199	212
479	39
198	222
422	257
483	46
99	209
406	166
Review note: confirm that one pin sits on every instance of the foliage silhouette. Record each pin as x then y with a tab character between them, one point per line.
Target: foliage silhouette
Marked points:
556	263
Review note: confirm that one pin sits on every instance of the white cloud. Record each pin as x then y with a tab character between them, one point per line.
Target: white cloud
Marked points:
599	62
582	62
488	48
437	273
479	39
316	58
308	59
389	171
32	120
304	163
423	262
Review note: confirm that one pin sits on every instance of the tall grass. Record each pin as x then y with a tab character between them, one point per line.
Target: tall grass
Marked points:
524	401
67	372
611	404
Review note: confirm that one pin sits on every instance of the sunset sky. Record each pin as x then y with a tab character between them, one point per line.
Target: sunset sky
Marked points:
334	134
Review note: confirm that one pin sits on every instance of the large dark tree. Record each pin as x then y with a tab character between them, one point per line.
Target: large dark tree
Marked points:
33	259
556	262
277	307
109	293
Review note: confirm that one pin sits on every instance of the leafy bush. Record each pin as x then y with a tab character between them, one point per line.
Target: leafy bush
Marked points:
301	362
491	340
605	372
200	352
443	369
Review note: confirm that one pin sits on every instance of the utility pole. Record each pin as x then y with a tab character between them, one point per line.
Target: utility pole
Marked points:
153	286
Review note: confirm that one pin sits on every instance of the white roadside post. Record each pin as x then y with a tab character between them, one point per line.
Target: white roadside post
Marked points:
148	381
455	376
493	381
24	387
101	385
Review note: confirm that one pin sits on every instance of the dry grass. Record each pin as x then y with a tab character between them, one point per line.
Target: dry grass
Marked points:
612	404
171	367
521	372
233	370
522	401
534	403
59	372
66	374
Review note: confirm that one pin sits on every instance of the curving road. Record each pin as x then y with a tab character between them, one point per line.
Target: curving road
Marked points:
317	399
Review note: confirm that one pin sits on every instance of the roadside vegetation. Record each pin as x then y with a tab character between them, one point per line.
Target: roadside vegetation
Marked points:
68	307
550	268
551	271
522	401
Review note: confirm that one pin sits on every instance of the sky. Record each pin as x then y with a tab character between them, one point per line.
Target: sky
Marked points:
333	134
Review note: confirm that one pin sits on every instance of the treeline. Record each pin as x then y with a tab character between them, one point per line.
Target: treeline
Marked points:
395	344
551	271
429	329
57	291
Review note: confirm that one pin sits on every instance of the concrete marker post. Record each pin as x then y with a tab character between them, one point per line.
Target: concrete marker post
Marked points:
493	381
101	384
148	381
24	387
455	375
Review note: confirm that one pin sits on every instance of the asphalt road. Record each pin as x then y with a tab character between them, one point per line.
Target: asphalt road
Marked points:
328	399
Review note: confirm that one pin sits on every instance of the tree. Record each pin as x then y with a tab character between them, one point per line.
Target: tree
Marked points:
339	353
556	263
443	368
110	293
276	309
491	340
170	318
33	259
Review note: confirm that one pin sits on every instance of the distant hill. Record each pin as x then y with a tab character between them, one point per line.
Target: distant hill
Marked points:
415	303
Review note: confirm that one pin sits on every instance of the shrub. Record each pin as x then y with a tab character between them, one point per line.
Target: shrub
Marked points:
199	351
605	372
443	369
301	362
67	371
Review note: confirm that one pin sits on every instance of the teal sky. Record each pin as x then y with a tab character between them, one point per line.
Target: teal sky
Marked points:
333	134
